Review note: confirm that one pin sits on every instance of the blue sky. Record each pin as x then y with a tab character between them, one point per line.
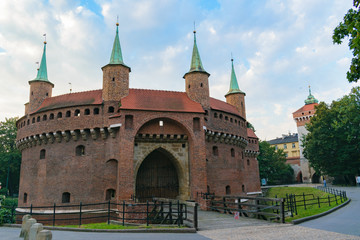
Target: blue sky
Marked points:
279	48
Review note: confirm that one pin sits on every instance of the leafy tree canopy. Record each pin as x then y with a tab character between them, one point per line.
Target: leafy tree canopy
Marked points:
272	165
333	142
10	156
350	27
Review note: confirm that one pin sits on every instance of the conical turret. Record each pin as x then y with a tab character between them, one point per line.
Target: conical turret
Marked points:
115	74
197	79
40	87
235	96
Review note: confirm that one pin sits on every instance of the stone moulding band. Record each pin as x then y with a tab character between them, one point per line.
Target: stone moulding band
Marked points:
225	138
59	136
161	137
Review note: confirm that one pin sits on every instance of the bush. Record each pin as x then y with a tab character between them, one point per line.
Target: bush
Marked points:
6	216
3	191
10	202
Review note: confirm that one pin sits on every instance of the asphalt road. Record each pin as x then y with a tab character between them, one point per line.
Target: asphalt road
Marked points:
346	220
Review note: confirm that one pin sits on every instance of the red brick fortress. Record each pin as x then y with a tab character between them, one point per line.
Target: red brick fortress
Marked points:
118	143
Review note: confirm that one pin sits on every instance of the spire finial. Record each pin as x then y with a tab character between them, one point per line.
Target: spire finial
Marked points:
232	59
117	20
44	38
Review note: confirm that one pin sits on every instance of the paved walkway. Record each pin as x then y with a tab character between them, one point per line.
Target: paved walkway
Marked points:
345	220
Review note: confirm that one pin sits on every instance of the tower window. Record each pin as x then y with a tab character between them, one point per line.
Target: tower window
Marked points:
226	118
47	94
161	123
215	151
96	111
110	194
111	109
220	116
248	162
44	117
59	115
51	116
65	197
215	115
206	112
28	121
243	188
189	86
87	112
232	151
42	154
80	150
227	190
77	113
68	114
201	85
32	93
113	79
231	120
25	197
38	119
33	120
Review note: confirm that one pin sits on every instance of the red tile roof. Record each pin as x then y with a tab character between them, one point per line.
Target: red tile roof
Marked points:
158	100
306	108
250	133
223	106
70	100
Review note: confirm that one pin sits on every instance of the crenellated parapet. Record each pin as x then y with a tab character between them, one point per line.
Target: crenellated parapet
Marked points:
68	135
227	138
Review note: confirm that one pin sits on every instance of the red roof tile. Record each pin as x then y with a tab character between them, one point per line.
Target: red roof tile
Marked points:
306	107
70	100
250	133
158	100
223	106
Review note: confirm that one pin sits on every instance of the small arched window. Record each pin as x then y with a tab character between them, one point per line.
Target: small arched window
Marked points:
226	118
206	112
28	121
87	112
42	154
208	189
38	119
196	124
232	152
110	194
248	162
51	116
111	109
243	188
96	111
68	114
221	116
80	150
59	115
25	198
44	117
215	115
65	197
77	113
227	190
215	151
33	120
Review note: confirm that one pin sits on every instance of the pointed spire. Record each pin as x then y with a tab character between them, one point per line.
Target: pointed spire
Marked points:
196	65
42	71
310	99
234	86
116	54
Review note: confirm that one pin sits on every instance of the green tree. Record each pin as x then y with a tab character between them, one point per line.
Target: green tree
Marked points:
333	142
272	165
10	156
350	27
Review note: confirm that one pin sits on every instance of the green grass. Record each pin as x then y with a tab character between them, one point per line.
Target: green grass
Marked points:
280	192
113	226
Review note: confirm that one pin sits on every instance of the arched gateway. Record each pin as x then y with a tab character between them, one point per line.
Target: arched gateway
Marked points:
157	177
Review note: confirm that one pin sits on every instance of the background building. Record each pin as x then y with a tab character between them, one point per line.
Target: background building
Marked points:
302	116
290	145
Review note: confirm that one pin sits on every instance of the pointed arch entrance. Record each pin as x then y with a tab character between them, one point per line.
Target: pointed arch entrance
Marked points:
157	176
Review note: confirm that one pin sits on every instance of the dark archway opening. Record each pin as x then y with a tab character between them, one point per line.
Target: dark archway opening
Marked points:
157	177
299	177
315	178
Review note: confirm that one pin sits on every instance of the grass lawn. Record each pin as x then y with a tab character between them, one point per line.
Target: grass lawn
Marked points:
114	226
312	207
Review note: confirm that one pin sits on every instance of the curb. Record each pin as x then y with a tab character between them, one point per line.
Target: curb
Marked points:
147	230
297	221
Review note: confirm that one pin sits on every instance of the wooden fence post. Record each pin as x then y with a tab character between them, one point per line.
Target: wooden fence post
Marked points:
304	201
147	212
319	201
329	200
80	213
123	210
178	213
54	214
282	210
196	216
108	212
30	209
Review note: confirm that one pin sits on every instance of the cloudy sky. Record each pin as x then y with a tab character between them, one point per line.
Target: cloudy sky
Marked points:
279	48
